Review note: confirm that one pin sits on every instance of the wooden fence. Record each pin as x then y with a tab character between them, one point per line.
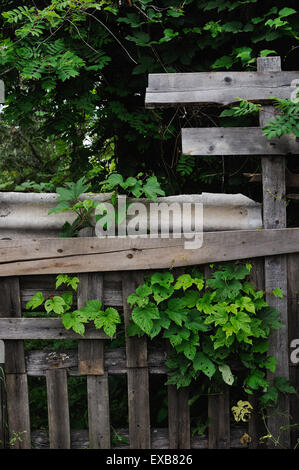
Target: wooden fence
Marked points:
27	265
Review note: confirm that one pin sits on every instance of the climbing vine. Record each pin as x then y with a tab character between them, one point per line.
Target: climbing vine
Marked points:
211	325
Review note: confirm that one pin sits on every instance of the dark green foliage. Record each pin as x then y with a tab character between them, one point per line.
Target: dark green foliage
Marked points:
210	329
76	72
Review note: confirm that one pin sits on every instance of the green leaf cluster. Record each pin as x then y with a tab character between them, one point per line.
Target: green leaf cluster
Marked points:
210	324
76	320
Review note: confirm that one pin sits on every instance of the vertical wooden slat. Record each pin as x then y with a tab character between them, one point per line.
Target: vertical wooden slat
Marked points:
3	410
256	428
218	411
58	409
137	373
274	212
293	306
98	411
219	416
178	418
91	363
16	378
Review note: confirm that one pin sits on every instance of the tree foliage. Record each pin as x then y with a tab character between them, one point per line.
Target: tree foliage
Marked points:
76	72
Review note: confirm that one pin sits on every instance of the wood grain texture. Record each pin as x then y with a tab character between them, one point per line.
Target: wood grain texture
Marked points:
175	89
58	409
293	308
219	415
139	410
274	208
38	362
149	253
16	407
178	418
18	410
136	348
42	328
235	141
159	438
98	412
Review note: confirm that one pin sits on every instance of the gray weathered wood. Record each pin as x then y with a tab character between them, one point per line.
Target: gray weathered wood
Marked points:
16	395
159	437
218	410
37	362
235	141
150	253
98	411
293	308
18	411
274	207
219	414
42	328
58	409
136	348
137	372
178	418
138	404
256	427
174	89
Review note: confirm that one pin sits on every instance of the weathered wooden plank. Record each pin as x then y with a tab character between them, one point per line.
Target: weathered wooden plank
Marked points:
218	410
293	308
90	353
235	141
153	253
256	427
58	409
274	206
137	371
292	179
138	404
42	328
174	89
136	348
37	362
3	406
178	418
98	412
219	415
18	410
17	405
159	437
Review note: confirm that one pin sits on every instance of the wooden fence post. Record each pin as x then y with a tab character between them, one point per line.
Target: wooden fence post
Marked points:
137	373
15	370
91	363
274	208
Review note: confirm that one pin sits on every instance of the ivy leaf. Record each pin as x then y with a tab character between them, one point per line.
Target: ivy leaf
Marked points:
226	373
283	385
163	279
57	305
176	311
36	301
143	317
183	282
204	364
278	292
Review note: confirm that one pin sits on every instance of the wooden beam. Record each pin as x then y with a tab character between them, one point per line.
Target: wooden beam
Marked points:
175	89
127	254
42	328
275	216
292	179
235	141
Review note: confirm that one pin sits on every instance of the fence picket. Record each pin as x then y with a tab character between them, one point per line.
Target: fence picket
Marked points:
15	371
137	373
58	409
